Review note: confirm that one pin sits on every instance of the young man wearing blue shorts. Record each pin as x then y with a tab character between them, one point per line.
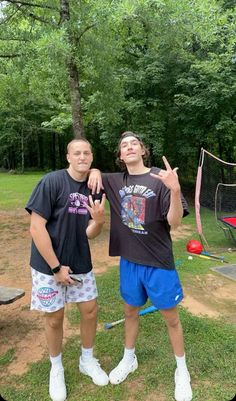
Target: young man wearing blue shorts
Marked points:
61	224
145	204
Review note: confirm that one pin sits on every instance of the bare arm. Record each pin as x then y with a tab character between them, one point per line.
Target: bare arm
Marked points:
43	243
170	179
95	180
175	213
97	211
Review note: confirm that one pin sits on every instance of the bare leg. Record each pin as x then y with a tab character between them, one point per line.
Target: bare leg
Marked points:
131	325
128	363
88	325
54	331
54	336
183	391
175	331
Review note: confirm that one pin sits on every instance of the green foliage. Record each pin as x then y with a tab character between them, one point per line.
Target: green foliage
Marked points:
164	69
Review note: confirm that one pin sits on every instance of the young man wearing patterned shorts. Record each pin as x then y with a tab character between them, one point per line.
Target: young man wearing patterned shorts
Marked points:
61	224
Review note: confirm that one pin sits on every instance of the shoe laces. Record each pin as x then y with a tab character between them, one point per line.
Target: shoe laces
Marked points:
58	375
95	364
182	379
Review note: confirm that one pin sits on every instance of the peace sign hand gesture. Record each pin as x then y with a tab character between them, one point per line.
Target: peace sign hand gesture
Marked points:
97	209
169	177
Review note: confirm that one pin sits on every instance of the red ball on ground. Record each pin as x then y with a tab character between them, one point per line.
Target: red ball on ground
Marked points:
194	246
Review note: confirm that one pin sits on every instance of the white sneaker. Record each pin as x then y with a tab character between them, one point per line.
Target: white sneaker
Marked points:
57	387
92	368
119	374
183	391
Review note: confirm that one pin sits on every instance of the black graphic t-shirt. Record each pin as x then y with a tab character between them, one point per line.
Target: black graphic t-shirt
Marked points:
139	228
60	200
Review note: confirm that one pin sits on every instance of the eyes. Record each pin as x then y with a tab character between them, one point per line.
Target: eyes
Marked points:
87	154
135	142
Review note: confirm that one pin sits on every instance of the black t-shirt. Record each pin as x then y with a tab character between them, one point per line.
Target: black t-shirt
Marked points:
139	228
60	200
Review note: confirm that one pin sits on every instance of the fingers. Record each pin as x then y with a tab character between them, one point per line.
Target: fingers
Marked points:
166	163
95	184
155	176
91	201
96	205
103	201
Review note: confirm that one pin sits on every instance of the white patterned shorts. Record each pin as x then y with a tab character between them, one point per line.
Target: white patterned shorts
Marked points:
50	296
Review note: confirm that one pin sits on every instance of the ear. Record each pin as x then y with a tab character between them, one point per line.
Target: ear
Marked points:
68	158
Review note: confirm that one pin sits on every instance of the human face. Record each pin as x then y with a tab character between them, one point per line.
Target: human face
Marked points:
80	158
131	151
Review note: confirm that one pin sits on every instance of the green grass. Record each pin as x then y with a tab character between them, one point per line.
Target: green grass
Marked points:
16	189
210	344
6	358
210	347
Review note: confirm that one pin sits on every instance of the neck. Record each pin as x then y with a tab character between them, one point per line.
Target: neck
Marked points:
76	175
135	169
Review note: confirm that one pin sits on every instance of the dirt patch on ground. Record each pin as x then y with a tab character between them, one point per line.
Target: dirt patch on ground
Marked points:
211	295
19	327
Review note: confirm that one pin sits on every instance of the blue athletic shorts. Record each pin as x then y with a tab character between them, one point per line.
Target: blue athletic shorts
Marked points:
139	282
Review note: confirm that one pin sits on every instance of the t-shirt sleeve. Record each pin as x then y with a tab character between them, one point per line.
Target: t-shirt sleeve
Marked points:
185	206
166	203
42	198
107	179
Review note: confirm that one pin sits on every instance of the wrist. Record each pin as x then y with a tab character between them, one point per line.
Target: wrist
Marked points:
56	269
176	191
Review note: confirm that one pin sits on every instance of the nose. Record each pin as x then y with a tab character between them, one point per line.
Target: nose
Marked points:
130	145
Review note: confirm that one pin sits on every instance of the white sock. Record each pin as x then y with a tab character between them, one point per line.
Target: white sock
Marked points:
86	353
129	354
56	361
181	363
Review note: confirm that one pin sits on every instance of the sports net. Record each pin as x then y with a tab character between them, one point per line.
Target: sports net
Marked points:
215	201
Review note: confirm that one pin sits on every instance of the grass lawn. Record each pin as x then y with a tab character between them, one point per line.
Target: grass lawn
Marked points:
210	344
16	189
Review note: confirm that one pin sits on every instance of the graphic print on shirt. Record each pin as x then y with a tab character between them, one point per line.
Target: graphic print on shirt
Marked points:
133	206
77	203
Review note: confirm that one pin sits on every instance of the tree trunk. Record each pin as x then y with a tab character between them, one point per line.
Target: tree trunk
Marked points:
78	127
22	153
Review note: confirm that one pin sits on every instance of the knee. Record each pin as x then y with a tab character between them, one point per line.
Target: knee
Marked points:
131	313
90	313
54	321
173	322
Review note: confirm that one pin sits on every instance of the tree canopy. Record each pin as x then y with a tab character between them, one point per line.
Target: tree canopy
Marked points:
163	69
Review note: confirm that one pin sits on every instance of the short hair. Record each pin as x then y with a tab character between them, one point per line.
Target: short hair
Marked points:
78	140
145	157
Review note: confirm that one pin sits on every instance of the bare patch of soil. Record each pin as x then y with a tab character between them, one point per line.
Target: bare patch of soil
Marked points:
23	330
211	295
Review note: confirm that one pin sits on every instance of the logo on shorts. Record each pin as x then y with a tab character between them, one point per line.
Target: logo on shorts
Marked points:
47	296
